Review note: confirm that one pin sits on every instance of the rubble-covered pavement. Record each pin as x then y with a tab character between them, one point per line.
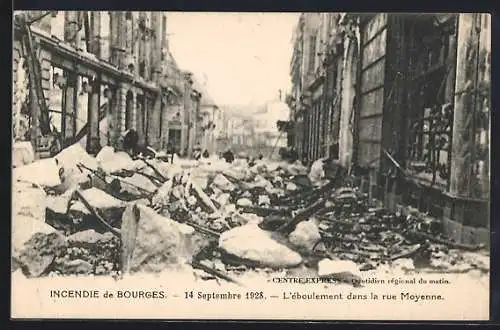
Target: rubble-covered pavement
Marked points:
110	215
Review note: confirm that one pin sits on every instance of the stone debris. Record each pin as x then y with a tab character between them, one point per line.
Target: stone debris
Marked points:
39	252
151	242
109	207
222	183
290	186
22	153
147	215
305	235
340	270
88	253
89	237
138	184
114	162
264	200
43	172
73	155
244	202
28	200
249	242
317	173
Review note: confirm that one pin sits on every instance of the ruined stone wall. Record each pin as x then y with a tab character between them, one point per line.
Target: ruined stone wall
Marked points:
19	92
20	88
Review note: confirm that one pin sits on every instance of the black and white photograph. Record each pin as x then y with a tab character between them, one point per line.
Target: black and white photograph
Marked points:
246	165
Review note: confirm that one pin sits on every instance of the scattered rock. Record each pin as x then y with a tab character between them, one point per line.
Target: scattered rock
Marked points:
55	212
89	237
76	266
131	183
223	199
192	200
305	235
70	174
162	196
151	242
114	162
39	252
241	242
22	153
32	173
222	183
346	198
108	207
244	202
290	186
245	218
201	181
246	194
404	264
272	222
28	201
260	182
219	266
317	173
75	154
295	169
24	228
302	181
142	201
229	209
264	200
72	178
367	267
341	270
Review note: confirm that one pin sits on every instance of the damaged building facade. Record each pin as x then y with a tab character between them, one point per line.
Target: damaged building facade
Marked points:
103	73
404	100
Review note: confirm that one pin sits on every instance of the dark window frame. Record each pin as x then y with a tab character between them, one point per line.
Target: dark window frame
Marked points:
430	119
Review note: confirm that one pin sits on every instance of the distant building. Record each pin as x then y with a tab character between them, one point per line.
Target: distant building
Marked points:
266	126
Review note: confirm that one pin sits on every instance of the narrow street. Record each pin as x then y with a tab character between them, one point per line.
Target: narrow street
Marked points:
353	172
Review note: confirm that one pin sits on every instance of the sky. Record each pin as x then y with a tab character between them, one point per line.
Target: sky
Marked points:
245	57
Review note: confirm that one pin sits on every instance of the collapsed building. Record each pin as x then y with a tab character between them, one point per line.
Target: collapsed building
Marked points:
96	75
403	99
114	214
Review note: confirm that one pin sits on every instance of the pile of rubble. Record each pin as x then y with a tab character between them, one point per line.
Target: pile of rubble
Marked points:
112	214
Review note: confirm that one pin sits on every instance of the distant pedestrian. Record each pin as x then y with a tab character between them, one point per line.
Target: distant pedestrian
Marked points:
131	142
261	156
251	162
293	155
197	154
206	154
171	151
228	156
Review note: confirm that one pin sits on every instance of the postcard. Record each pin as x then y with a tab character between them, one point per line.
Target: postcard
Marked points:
250	166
